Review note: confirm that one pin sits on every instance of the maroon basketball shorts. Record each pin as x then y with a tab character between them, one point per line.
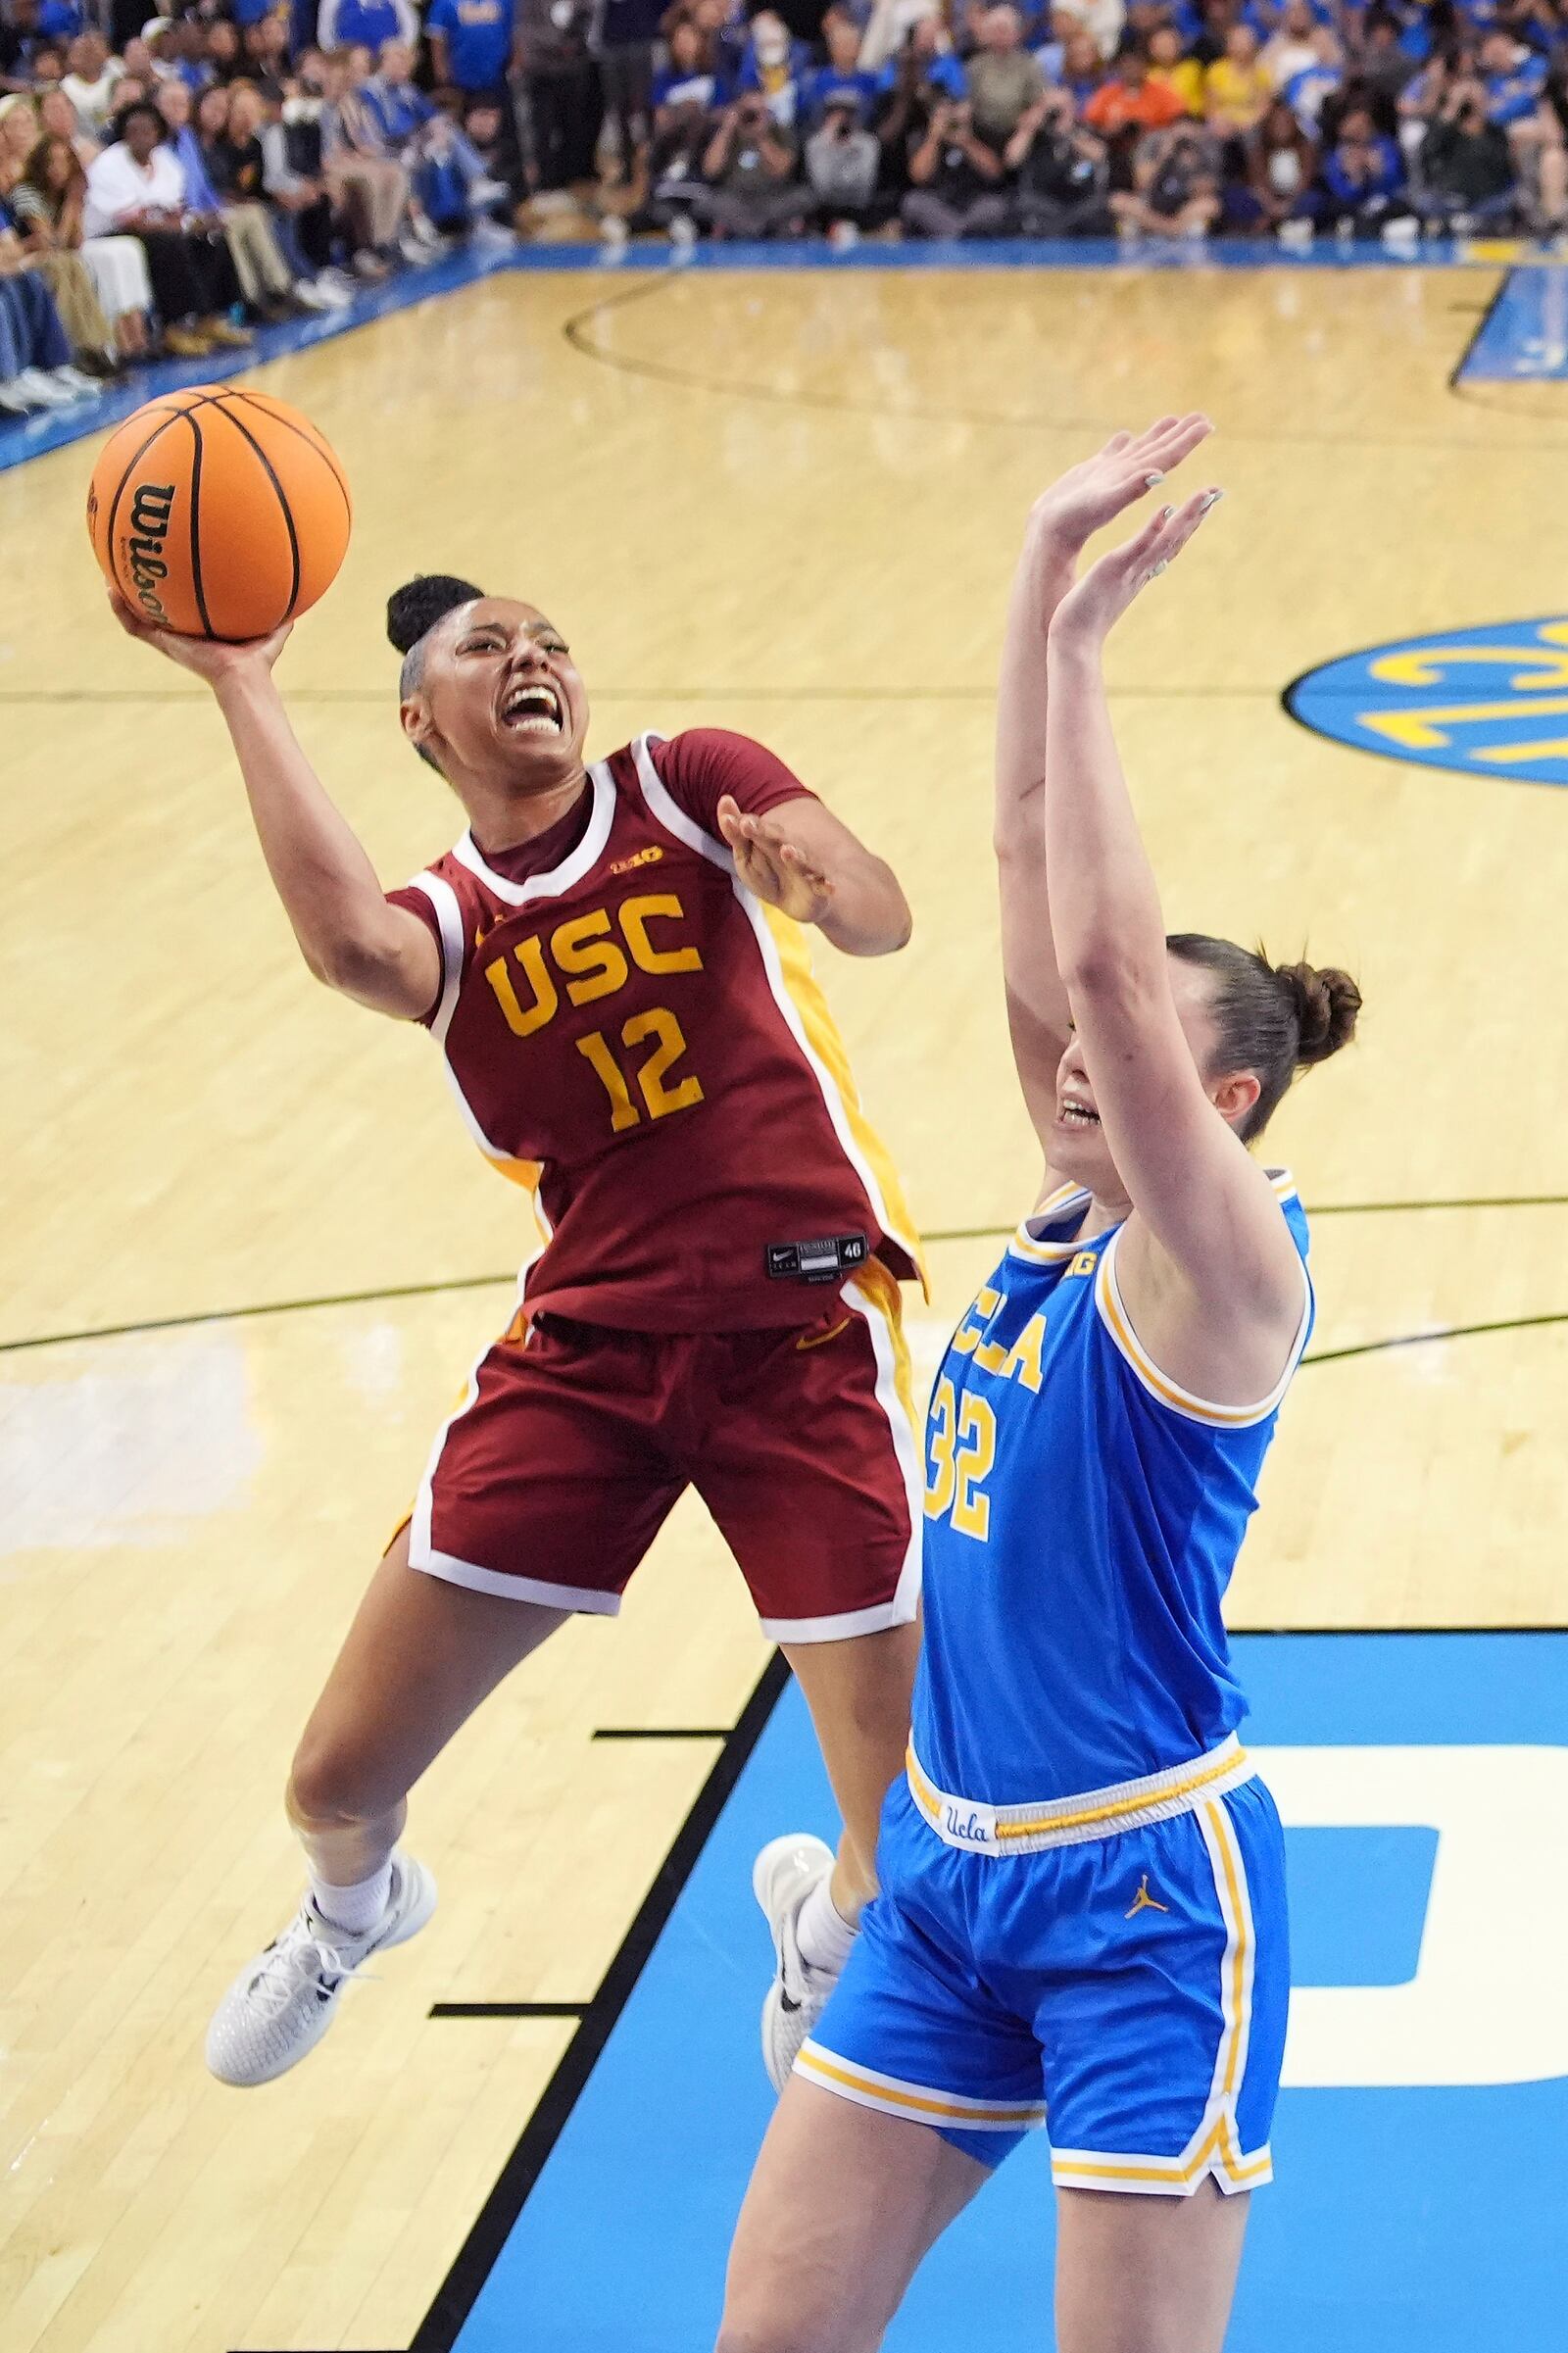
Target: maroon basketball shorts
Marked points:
572	1444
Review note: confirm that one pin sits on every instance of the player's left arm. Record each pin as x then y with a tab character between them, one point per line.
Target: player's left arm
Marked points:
788	849
806	861
1214	1272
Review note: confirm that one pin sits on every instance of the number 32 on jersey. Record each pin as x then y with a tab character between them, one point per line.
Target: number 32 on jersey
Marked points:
961	1432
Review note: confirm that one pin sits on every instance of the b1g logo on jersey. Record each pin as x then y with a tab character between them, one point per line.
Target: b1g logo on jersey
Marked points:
1493	701
584	956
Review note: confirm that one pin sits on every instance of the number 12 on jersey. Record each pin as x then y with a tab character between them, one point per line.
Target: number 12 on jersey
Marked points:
662	1029
960	1447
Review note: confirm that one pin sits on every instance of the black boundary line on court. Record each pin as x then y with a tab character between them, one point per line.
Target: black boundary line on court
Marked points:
452	1284
476	2258
1478	329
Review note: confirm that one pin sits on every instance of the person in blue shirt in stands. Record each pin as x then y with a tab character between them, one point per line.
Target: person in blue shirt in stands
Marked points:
774	66
1364	177
366	24
472	44
444	167
1514	79
842	79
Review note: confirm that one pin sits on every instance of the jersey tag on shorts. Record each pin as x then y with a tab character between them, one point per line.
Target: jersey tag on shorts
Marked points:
815	1261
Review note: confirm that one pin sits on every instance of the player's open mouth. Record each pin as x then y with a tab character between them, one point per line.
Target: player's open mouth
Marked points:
533	710
1077	1114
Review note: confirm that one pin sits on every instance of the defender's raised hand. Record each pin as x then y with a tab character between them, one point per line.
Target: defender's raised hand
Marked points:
1093	606
1093	494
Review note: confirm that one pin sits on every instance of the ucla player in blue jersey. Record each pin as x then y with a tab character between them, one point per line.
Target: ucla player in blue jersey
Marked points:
1082	1919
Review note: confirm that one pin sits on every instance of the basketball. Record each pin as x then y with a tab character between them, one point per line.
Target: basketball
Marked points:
218	513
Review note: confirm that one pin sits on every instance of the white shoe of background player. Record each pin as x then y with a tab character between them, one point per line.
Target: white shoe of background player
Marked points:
782	1878
280	2006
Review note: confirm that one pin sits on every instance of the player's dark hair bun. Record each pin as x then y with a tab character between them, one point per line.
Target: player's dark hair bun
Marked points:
414	608
1327	1004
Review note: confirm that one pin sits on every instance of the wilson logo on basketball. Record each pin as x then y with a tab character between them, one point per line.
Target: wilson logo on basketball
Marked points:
150	514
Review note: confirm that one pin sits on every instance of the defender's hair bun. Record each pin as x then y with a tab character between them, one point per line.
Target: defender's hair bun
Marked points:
416	608
1327	1005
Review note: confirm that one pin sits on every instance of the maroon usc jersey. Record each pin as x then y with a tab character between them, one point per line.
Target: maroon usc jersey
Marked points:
634	1037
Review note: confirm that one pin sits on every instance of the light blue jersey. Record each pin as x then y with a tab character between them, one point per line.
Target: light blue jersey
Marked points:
1082	1918
1083	1518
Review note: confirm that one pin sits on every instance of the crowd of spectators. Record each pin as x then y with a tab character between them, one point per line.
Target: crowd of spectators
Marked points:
166	184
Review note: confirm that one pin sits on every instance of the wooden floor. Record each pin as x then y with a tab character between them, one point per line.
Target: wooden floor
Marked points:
786	504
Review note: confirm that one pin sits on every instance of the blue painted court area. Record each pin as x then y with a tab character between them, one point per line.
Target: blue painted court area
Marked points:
1422	2141
1492	702
1523	336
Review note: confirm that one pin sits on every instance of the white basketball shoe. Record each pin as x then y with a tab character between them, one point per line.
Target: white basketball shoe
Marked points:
782	1878
283	2003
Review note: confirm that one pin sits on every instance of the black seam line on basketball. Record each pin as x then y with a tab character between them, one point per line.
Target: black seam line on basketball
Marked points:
656	371
124	485
283	504
476	2259
195	523
1504	282
508	2009
452	1285
311	441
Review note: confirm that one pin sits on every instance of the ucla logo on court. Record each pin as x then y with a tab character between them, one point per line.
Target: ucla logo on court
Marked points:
1492	700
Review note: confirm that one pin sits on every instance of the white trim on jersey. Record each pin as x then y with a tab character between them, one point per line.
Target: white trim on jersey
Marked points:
1118	1324
572	868
449	920
685	829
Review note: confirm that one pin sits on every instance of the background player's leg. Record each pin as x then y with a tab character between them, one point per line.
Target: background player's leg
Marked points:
1146	2275
418	1660
843	2206
859	1693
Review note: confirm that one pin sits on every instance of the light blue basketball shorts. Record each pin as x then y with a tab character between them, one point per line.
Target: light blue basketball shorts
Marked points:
1126	1992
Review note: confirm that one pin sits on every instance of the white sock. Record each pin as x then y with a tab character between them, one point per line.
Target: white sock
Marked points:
821	1932
356	1909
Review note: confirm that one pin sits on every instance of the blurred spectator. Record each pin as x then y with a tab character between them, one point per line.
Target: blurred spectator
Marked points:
1083	69
35	365
1173	70
1281	162
1176	185
263	48
217	58
891	23
1005	80
19	40
365	25
561	81
843	77
1104	20
365	183
1131	100
57	117
27	244
1467	171
193	136
954	178
47	208
1290	49
1307	94
625	45
1363	177
843	165
136	188
473	45
750	188
773	65
1515	82
294	181
1385	66
448	175
1236	87
90	83
1060	174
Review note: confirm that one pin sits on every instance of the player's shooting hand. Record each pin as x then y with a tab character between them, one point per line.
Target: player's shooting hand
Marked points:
772	868
1091	495
1095	604
204	656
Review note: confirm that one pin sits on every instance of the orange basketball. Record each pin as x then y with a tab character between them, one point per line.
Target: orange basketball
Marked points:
218	513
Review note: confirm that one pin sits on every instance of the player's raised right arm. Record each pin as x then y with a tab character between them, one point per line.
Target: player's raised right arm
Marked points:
1061	521
380	956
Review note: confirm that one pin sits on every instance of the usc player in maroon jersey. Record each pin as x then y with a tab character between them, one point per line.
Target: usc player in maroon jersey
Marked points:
612	962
